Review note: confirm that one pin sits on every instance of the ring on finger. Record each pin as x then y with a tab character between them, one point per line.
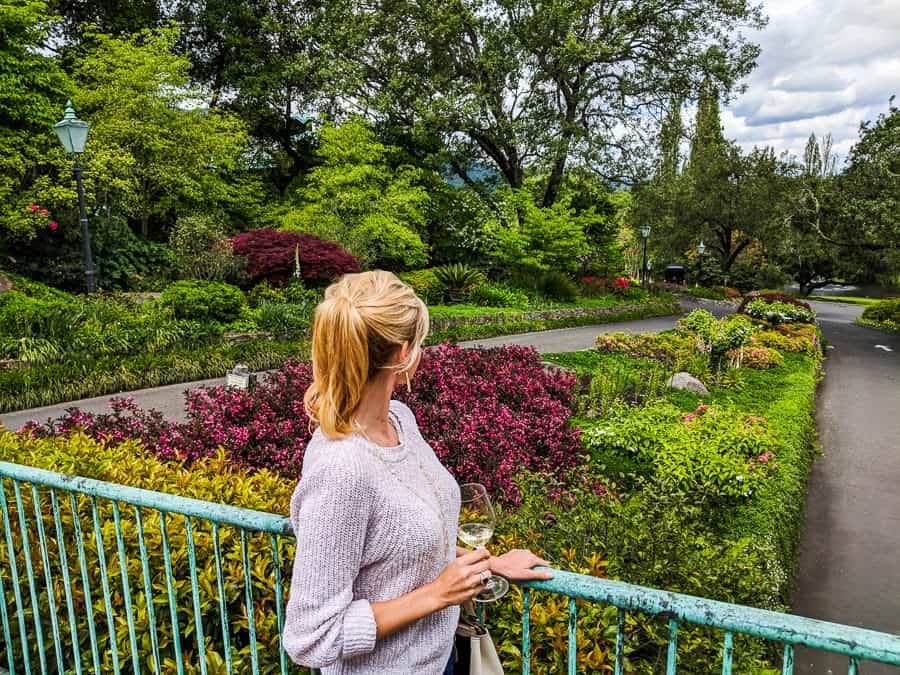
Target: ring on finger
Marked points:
485	577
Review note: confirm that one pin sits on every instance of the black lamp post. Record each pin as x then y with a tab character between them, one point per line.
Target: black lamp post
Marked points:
701	249
645	233
73	134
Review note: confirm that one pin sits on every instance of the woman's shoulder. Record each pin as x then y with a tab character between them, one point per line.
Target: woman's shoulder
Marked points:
345	457
403	411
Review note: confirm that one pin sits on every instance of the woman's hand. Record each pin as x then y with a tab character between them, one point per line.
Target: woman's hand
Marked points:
517	565
461	580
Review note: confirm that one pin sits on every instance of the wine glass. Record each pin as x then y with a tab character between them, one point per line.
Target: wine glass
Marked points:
476	527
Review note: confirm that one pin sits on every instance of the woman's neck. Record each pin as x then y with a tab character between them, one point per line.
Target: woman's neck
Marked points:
372	412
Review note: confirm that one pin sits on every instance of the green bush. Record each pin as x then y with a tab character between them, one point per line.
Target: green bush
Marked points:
557	286
715	454
204	300
778	312
425	283
458	280
286	319
650	534
498	295
202	250
883	314
216	480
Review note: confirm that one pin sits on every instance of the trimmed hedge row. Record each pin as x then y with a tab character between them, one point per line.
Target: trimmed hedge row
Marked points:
48	385
493	325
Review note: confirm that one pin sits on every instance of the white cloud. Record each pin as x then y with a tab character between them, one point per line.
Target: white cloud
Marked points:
826	66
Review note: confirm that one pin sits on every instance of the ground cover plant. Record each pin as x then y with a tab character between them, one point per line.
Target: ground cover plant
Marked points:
883	315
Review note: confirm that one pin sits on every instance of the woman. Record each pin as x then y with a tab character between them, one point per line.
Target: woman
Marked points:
377	577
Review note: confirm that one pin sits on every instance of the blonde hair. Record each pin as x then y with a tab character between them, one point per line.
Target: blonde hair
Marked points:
359	326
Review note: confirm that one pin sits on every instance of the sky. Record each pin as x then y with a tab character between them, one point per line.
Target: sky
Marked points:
826	66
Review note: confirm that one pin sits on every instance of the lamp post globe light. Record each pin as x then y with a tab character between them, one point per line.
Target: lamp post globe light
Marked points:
645	233
73	134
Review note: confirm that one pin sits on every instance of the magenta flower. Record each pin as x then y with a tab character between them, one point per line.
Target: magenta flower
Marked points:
45	212
34	207
53	225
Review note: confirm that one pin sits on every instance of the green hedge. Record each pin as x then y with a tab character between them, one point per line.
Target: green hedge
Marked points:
128	464
883	315
483	325
48	385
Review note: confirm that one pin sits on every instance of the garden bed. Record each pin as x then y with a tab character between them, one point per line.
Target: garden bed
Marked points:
473	323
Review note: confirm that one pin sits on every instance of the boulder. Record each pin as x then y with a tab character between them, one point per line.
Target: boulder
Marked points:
5	284
687	382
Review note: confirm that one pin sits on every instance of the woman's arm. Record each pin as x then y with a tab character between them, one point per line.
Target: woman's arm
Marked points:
460	581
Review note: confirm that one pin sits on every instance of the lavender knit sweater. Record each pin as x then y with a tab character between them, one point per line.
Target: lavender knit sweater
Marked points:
368	530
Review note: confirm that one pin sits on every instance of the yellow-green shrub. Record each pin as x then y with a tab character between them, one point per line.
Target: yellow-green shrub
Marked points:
214	479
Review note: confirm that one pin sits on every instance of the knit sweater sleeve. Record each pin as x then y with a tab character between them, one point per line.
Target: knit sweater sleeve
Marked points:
330	510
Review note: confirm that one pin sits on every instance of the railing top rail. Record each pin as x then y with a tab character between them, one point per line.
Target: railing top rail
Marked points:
796	630
224	514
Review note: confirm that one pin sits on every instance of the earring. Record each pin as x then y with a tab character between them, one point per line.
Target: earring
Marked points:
408	383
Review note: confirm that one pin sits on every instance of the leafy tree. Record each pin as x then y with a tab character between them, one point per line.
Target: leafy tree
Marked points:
362	198
267	61
542	238
869	218
33	89
112	17
537	85
152	154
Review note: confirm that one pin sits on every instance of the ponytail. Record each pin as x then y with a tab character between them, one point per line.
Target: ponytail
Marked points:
362	321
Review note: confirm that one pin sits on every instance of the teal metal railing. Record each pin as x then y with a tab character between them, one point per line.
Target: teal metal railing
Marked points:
104	578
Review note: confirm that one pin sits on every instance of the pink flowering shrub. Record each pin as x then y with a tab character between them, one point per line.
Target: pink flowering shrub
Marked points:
488	415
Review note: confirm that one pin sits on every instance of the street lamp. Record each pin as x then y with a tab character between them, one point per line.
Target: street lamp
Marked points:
645	233
701	249
73	134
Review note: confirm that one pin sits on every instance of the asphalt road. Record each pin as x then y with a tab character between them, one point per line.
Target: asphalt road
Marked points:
849	570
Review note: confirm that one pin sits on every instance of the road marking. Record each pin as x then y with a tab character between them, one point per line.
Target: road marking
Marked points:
887	349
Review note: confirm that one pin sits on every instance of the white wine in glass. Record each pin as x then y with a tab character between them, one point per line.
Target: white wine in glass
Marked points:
476	527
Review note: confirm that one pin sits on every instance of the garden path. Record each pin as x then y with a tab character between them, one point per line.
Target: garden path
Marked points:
849	569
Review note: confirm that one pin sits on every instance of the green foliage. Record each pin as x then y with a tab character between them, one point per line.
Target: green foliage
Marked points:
361	198
510	323
556	285
217	480
491	294
885	311
99	376
33	89
714	454
202	249
121	258
540	239
426	284
295	292
778	312
204	300
649	534
152	154
458	280
286	319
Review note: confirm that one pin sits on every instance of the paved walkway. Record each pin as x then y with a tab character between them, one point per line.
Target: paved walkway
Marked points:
849	569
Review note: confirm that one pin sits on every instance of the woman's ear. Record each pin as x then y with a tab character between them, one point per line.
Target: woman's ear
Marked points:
402	353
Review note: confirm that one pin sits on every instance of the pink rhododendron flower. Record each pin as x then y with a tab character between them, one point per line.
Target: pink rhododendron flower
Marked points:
34	207
45	212
53	225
